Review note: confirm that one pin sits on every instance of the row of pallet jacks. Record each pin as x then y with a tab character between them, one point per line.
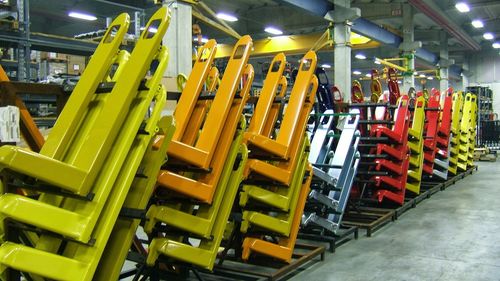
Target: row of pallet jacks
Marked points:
409	138
103	170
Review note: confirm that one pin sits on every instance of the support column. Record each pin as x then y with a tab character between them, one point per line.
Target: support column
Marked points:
179	39
408	47
342	18
465	74
443	66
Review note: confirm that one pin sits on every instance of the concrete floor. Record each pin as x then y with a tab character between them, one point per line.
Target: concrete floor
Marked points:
455	235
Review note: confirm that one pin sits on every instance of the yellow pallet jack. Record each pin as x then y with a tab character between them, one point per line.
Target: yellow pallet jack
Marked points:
95	149
416	145
467	138
455	132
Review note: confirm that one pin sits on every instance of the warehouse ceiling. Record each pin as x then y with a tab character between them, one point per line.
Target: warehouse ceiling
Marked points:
50	16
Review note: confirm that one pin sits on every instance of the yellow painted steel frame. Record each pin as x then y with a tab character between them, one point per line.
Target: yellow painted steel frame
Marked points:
205	253
282	222
455	132
416	145
181	215
472	136
200	155
283	250
75	174
281	147
75	218
124	230
76	260
466	130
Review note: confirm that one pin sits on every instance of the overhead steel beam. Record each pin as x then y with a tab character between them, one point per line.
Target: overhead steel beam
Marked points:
290	45
362	26
50	43
317	7
431	10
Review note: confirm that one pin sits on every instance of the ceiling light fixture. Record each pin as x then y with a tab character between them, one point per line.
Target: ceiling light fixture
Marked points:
462	7
226	17
376	61
369	75
356	72
82	16
478	23
488	36
430	78
496	45
326	65
273	30
422	76
360	56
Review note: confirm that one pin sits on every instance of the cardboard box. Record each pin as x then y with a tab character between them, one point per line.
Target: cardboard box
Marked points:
76	64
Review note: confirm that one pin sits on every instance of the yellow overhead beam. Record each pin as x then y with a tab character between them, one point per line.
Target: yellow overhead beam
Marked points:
387	62
294	44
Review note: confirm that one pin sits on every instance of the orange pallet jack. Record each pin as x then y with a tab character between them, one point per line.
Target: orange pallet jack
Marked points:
189	208
264	189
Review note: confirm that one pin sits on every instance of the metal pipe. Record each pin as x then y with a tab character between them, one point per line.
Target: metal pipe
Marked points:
120	5
431	10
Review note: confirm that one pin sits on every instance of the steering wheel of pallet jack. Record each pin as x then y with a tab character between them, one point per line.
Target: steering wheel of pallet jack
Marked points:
181	81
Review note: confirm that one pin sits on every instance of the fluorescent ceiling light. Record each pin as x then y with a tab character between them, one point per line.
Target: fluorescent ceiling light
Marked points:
422	76
377	61
415	73
478	23
488	36
226	17
462	7
369	75
430	78
496	45
82	16
360	56
356	72
273	30
326	65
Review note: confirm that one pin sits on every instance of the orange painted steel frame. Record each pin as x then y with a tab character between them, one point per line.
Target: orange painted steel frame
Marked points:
293	116
29	130
283	250
263	107
207	182
200	155
282	145
204	187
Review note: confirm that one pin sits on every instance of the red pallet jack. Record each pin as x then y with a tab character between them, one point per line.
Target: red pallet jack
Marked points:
394	159
431	131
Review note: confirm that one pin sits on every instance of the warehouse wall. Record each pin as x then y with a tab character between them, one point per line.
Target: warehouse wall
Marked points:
486	72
